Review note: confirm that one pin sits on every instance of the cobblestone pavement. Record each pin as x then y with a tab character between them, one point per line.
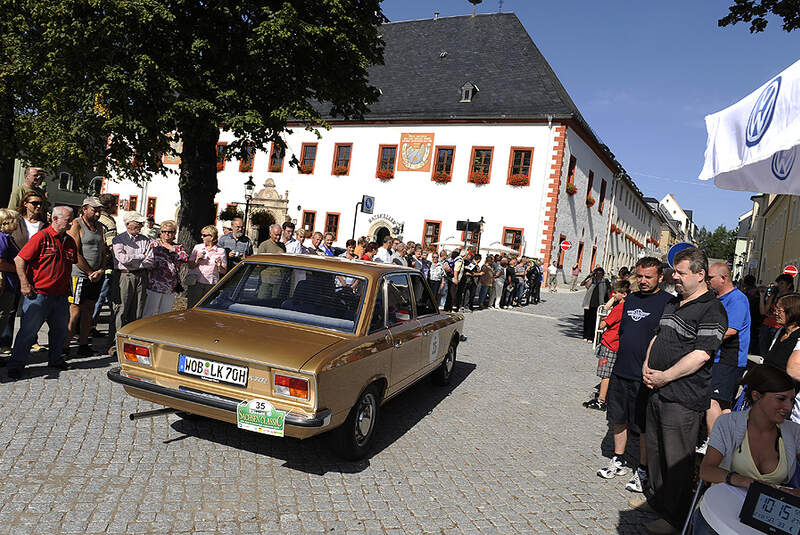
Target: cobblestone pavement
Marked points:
507	449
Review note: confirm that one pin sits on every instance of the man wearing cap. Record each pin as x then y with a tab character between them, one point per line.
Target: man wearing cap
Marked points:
87	273
226	228
33	182
43	266
133	256
152	230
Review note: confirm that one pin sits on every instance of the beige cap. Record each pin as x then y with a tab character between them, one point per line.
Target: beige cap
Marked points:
94	202
133	217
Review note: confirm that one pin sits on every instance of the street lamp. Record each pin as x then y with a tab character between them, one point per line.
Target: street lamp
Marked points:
249	187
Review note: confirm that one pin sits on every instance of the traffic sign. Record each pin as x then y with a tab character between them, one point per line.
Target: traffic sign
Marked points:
367	204
675	249
565	245
790	270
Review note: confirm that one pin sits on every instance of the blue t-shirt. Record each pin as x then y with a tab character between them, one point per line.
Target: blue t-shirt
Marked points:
733	350
640	318
8	250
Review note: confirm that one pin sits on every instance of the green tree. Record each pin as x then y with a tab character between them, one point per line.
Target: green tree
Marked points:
756	11
103	87
718	244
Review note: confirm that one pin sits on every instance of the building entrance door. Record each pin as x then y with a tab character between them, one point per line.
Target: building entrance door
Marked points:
381	234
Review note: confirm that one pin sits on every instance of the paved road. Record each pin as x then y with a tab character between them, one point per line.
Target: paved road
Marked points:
507	449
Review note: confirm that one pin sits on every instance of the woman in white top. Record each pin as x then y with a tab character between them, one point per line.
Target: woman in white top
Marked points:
758	444
31	218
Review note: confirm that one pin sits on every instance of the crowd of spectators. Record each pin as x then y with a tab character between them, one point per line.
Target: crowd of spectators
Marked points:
672	355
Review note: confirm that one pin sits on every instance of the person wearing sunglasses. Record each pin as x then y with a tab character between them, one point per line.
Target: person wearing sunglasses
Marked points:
784	349
164	279
207	263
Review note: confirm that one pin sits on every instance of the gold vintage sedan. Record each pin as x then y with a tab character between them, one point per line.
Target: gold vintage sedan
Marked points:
294	345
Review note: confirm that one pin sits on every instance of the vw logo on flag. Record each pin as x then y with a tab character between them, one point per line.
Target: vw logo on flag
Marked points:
761	116
782	163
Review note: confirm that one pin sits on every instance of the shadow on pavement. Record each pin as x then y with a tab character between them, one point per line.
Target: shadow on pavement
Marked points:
37	366
314	455
572	326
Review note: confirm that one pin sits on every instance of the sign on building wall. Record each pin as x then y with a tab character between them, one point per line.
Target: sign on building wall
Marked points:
415	152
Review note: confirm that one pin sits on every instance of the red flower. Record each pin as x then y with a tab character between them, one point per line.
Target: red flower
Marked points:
590	201
385	174
304	169
340	170
519	180
571	189
441	177
479	178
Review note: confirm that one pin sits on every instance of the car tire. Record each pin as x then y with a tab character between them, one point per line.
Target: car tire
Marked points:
354	437
444	373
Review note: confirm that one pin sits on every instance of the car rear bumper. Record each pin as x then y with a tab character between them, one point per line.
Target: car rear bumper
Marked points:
320	420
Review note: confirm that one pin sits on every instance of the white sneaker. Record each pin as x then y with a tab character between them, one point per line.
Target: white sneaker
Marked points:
701	449
637	481
615	468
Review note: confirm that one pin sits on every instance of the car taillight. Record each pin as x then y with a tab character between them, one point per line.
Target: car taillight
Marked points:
136	353
291	386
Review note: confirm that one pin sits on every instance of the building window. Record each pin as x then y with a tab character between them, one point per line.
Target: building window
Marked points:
341	158
520	161
276	158
221	156
443	166
594	258
512	237
387	155
115	205
151	207
246	163
603	196
309	220
65	181
580	256
590	184
430	233
573	163
561	252
133	202
481	166
308	157
472	239
468	92
332	224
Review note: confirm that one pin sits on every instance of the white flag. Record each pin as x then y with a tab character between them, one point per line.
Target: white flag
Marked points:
753	145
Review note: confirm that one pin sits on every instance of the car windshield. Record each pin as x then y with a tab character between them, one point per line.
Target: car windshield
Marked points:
294	294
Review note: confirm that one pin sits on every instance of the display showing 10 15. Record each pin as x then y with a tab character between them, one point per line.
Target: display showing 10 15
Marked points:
781	515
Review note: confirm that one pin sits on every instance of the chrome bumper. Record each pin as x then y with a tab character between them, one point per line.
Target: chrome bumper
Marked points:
322	418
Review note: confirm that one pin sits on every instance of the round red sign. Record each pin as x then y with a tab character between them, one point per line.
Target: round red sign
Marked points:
790	270
565	245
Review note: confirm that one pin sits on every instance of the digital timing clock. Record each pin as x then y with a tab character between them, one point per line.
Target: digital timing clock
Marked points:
770	510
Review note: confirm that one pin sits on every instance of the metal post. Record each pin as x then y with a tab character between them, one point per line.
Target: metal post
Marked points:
246	210
466	230
355	218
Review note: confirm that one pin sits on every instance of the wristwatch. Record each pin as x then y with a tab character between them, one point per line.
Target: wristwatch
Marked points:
729	477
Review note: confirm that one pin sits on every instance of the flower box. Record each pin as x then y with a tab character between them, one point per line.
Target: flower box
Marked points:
274	168
385	174
618	230
478	178
340	170
589	201
519	180
571	189
304	169
441	177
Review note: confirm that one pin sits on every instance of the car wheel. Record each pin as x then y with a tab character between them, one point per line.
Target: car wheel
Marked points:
444	373
354	437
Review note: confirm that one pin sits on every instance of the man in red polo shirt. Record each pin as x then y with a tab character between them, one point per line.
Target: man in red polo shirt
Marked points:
44	266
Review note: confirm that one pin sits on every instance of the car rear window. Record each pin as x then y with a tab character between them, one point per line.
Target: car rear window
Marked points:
318	298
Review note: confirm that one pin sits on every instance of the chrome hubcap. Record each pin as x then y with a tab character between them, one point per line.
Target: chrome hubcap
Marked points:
365	418
449	361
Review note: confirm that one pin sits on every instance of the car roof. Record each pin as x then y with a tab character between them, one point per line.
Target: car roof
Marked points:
364	268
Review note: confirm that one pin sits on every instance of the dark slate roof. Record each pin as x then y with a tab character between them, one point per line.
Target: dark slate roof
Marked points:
493	52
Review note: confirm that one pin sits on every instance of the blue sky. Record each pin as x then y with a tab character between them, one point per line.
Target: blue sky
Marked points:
644	74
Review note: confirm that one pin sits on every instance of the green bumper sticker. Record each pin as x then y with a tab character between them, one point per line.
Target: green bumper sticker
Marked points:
260	416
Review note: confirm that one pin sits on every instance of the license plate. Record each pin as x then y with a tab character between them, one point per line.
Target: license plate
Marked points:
210	370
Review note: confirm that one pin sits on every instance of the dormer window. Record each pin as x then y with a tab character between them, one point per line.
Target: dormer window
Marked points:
468	91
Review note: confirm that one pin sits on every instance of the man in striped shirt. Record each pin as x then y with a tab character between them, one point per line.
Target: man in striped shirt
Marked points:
677	369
